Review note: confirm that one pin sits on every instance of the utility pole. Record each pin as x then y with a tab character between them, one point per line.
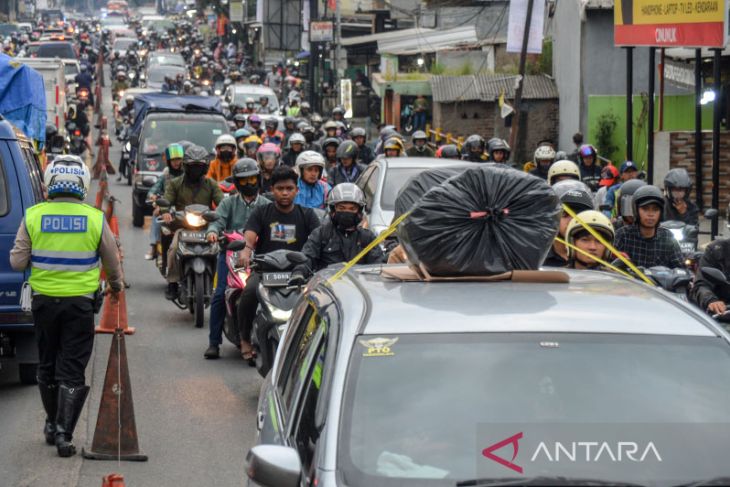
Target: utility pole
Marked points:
338	39
518	92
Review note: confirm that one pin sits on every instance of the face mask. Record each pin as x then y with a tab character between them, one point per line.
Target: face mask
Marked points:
225	156
678	194
175	172
345	220
195	172
248	189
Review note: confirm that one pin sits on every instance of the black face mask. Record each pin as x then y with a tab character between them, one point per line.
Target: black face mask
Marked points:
248	189
226	156
346	220
174	172
195	172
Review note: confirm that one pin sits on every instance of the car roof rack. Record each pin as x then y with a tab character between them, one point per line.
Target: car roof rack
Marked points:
406	273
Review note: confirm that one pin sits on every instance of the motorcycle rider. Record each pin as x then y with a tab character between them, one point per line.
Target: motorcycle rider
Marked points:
173	156
627	172
474	148
296	147
393	147
192	188
233	214
250	107
264	106
609	179
420	146
330	131
338	115
64	269
578	236
704	293
309	135
241	135
268	156
645	242
624	207
127	111
305	111
341	237
577	197
289	129
84	80
498	150
543	159
329	151
346	170
283	225
240	120
677	186
225	157
120	84
254	121
590	169
364	152
272	134
251	145
312	189
448	151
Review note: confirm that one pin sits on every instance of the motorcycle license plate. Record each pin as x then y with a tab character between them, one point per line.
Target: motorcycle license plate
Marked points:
192	237
687	247
276	278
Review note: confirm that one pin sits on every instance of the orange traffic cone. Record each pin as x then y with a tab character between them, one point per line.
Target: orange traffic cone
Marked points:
115	436
113	480
114	315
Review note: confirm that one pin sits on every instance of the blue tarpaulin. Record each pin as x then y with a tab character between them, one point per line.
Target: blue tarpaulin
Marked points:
23	98
170	102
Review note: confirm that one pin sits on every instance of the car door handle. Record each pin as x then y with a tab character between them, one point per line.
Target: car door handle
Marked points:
260	420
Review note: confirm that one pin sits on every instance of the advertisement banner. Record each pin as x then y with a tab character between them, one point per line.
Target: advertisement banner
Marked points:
235	11
321	32
662	23
516	26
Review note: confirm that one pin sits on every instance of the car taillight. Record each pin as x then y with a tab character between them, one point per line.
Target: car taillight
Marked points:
77	133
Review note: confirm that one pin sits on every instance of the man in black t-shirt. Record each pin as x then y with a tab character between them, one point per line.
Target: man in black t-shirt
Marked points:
283	225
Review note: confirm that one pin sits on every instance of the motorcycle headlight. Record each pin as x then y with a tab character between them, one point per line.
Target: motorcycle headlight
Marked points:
194	220
121	94
128	146
132	75
677	233
218	92
279	314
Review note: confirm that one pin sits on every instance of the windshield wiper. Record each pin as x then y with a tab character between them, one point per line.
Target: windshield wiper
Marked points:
504	482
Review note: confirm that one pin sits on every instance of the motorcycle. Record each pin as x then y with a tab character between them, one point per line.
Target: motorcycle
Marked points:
227	187
77	141
407	116
684	234
235	284
198	258
676	281
276	302
82	97
717	278
125	160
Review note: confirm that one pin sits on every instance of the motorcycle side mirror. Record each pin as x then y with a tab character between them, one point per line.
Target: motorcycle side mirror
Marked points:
162	203
210	216
715	276
134	139
711	213
237	245
297	258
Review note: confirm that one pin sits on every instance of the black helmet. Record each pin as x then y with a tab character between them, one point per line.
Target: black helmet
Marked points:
239	117
577	200
358	132
196	154
330	141
450	151
270	122
474	142
647	195
677	178
51	130
289	120
498	144
245	167
626	197
347	148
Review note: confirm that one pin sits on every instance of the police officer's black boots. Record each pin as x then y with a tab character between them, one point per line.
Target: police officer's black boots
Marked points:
49	397
70	403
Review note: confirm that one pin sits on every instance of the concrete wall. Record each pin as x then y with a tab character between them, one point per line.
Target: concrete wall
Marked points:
682	154
456	59
490	19
566	60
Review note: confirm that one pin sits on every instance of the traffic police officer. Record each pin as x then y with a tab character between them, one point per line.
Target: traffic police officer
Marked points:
63	240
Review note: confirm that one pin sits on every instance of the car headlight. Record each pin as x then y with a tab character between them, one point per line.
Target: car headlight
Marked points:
218	92
194	220
677	233
279	314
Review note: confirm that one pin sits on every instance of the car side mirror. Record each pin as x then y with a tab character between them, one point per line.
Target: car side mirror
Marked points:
715	276
274	466
236	245
210	216
711	213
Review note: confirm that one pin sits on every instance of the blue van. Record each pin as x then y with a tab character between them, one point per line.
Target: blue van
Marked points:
21	186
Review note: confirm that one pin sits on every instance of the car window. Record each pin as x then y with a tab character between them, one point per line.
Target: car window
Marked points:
300	356
305	433
371	186
33	167
4	196
395	178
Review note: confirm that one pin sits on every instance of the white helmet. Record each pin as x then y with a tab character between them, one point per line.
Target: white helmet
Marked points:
67	175
297	138
565	168
309	158
225	139
250	101
544	152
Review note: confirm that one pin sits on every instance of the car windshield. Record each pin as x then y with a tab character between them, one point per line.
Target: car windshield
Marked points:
239	98
123	44
7	29
113	20
419	411
395	178
60	50
167	59
158	133
158	75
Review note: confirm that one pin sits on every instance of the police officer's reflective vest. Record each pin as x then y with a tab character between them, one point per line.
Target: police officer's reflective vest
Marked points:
65	240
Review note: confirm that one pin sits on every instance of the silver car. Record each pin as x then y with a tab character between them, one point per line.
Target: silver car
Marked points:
381	380
385	177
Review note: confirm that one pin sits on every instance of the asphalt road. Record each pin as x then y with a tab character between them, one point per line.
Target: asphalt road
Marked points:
195	417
